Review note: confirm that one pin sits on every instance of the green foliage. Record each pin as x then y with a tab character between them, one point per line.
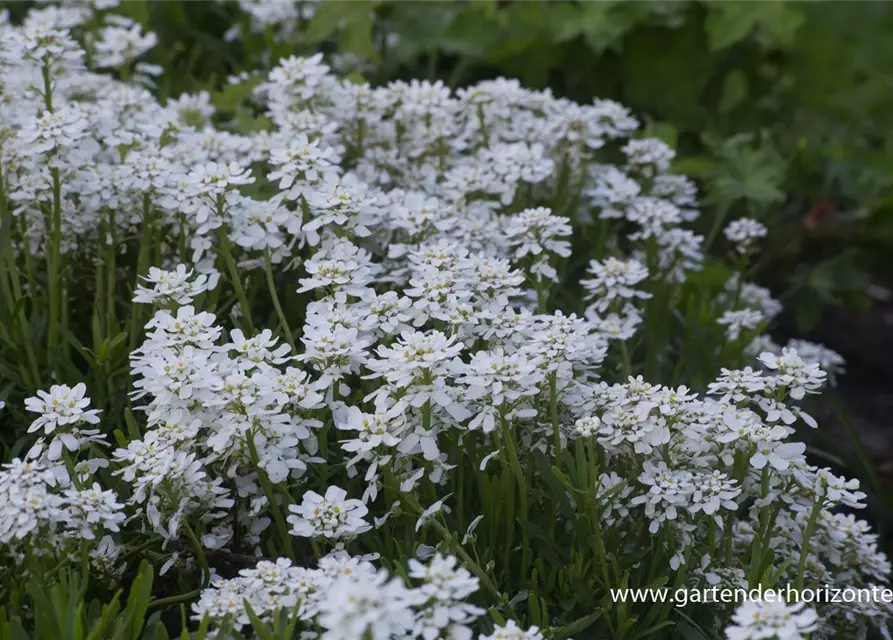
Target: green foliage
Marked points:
769	23
777	106
59	611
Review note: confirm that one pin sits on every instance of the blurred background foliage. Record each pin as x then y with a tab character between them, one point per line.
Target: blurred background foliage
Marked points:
781	110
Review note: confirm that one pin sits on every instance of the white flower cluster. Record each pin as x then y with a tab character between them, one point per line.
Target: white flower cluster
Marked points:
748	421
229	408
744	232
347	597
40	510
434	260
174	287
766	619
47	501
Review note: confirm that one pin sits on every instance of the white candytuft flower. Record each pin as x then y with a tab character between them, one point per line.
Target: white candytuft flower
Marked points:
174	287
329	516
756	619
743	233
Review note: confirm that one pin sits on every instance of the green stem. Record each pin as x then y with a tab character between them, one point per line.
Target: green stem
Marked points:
227	254
267	487
183	597
54	284
807	535
268	267
451	539
715	228
47	84
110	273
70	465
199	554
142	268
12	290
626	359
541	296
518	472
553	413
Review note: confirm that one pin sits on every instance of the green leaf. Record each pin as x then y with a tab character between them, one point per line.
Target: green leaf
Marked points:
662	131
138	10
654	629
604	24
107	618
745	171
547	547
139	598
260	629
689	631
669	85
533	609
330	17
567	23
467	33
84	351
356	37
728	23
734	91
132	429
577	626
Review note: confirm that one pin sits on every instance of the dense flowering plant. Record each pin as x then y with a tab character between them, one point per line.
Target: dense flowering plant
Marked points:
500	378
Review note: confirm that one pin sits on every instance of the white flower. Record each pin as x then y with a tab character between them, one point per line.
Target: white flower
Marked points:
798	377
431	511
614	326
55	130
330	516
344	203
367	605
818	354
302	163
752	296
614	279
27	503
536	231
121	42
713	491
587	426
656	218
758	619
269	587
192	109
62	406
649	156
92	509
500	386
258	349
669	490
420	363
174	287
511	631
744	232
380	429
445	588
777	454
342	267
216	178
738	322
